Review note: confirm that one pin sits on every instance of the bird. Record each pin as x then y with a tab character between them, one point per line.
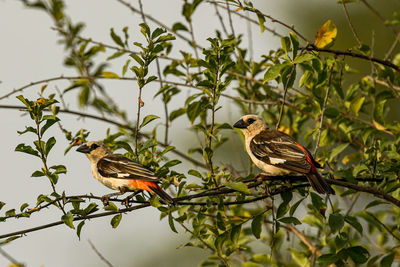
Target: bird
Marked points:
278	154
120	173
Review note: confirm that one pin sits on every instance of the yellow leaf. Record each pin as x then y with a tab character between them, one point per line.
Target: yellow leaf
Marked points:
326	34
110	75
379	126
40	101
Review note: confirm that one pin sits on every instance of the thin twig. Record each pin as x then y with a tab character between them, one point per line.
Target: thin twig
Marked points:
98	215
205	244
350	23
383	225
125	126
328	87
99	254
304	239
10	258
288	77
356	55
384	22
161	82
221	20
223	5
135	10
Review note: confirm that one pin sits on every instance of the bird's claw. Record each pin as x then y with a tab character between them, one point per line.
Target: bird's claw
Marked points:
105	200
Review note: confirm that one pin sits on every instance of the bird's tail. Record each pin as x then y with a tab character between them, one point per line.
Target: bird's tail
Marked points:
152	187
319	184
162	195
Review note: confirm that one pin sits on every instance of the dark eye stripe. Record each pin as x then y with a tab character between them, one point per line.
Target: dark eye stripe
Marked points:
250	121
94	146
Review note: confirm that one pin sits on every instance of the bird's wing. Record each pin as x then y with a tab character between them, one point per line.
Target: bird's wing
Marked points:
280	150
115	166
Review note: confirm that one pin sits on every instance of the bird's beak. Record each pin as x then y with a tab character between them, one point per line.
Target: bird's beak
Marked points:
83	149
240	124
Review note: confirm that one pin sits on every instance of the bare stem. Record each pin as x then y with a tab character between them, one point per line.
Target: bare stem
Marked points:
321	124
99	254
284	95
350	23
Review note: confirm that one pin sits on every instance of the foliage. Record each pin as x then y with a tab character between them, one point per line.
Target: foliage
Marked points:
304	88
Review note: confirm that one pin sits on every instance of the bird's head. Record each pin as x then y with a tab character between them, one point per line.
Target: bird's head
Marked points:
94	150
250	124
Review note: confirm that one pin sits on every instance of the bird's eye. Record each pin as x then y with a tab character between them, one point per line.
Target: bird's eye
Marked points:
94	146
250	121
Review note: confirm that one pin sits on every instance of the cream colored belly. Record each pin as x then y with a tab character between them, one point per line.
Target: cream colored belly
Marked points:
113	183
267	168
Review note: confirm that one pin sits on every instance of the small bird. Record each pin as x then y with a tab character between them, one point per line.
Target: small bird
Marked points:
120	173
278	154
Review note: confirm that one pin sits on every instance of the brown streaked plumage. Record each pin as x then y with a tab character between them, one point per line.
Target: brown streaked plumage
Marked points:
277	153
120	173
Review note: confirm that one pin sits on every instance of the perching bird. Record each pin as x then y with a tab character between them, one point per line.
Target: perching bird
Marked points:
120	173
278	154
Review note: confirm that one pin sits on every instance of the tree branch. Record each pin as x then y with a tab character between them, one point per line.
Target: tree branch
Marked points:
356	55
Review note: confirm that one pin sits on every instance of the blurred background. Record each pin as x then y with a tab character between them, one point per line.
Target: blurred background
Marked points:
29	52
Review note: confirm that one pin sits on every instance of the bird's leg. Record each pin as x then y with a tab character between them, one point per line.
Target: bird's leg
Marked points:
105	198
126	200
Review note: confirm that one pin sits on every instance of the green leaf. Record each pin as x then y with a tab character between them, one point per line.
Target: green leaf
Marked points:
261	20
256	226
79	229
273	72
317	202
171	222
176	113
137	59
282	209
23	206
294	207
195	173
292	220
250	264
356	105
59	169
239	186
111	206
27	129
26	102
147	120
375	203
285	41
354	222
47	125
49	145
358	254
116	220
37	174
387	261
2	204
337	150
295	43
327	259
93	208
10	212
172	163
235	233
303	58
110	75
336	221
27	149
116	38
179	27
68	219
